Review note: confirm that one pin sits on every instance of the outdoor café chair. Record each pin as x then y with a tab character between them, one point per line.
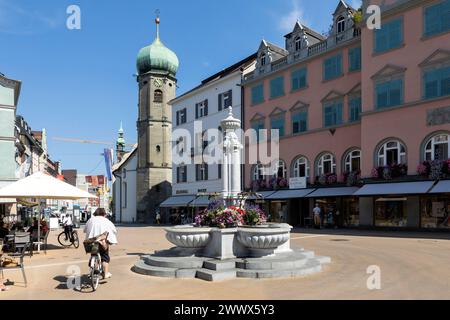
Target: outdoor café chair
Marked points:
43	240
20	264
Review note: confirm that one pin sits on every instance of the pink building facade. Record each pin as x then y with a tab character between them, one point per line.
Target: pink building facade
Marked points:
363	117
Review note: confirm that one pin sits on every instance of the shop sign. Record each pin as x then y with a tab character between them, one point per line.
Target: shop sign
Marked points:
297	183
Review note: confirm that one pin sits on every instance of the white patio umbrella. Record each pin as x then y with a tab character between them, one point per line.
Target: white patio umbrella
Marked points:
42	186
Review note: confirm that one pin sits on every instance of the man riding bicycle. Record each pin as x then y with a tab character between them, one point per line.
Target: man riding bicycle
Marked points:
68	227
97	226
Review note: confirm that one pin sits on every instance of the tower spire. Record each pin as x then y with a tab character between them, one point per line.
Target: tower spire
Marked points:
157	21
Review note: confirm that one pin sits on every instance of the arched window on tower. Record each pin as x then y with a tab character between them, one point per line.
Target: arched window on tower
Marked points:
158	96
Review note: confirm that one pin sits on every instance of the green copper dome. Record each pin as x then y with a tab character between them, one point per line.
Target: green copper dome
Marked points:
157	57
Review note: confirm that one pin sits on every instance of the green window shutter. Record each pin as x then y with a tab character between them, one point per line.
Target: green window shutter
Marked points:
396	92
381	92
278	124
299	122
328	116
431	83
355	109
389	36
277	87
437	18
445	81
258	94
219	102
298	79
332	67
354	59
338	111
395	33
432	20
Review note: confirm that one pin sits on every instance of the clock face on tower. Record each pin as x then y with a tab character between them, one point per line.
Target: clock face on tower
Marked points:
157	83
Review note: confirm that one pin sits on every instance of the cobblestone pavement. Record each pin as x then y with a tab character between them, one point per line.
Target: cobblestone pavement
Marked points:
413	266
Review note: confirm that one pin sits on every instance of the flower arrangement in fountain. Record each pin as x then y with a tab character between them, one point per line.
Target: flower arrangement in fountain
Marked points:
253	216
219	216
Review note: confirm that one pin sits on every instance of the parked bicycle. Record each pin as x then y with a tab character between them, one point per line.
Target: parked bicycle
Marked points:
68	241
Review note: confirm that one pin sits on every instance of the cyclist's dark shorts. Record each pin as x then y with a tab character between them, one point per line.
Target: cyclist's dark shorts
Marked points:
104	254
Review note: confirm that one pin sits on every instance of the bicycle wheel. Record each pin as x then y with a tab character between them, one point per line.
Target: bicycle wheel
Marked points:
95	273
76	241
62	240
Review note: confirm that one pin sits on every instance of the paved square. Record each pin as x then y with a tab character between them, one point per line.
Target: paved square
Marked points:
413	266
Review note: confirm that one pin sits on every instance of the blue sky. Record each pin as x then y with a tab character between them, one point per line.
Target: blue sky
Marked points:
80	84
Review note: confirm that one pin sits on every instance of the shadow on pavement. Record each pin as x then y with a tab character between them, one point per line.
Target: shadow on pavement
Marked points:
394	233
80	284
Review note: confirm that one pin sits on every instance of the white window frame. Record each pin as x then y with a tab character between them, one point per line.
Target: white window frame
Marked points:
263	59
298	43
327	157
257	172
340	24
383	150
301	161
354	154
276	167
430	146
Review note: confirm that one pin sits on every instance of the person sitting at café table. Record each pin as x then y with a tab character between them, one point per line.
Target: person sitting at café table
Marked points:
3	230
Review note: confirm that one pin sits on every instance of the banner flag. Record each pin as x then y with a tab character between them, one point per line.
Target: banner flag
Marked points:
108	153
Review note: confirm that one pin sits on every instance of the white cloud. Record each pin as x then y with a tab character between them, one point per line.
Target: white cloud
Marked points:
287	21
19	21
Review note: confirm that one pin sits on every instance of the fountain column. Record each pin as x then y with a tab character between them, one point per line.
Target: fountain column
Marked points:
231	169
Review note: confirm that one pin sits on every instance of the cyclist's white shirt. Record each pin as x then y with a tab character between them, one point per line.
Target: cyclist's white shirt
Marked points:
67	221
99	225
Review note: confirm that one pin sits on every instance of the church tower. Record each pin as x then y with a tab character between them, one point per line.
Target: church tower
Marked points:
120	145
157	67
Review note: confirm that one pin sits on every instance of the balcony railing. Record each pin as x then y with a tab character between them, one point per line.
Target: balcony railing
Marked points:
317	48
279	63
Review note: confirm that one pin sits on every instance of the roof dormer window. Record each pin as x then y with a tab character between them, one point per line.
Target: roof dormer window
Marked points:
298	44
263	59
340	24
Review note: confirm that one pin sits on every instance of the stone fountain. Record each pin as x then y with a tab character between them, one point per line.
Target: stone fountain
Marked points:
245	251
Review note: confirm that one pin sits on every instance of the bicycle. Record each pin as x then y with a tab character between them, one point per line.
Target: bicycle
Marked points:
92	247
72	240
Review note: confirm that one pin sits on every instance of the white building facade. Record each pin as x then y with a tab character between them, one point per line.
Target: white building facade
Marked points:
207	104
124	188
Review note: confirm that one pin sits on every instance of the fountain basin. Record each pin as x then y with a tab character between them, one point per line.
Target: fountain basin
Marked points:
188	237
265	240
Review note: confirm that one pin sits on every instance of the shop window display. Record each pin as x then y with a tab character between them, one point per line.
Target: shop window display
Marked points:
390	213
435	212
351	212
278	211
